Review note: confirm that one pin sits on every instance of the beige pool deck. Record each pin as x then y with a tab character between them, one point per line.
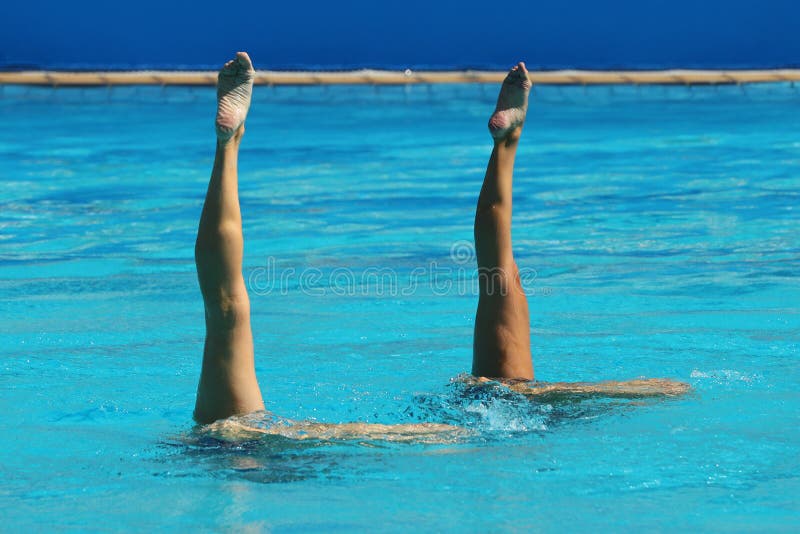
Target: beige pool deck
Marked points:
408	77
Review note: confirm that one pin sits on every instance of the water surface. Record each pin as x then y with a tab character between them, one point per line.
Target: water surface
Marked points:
659	228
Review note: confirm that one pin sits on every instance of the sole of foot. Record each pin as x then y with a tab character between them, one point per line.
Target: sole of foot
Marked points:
512	105
234	91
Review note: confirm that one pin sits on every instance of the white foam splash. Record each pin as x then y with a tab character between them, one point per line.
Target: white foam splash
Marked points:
501	415
726	376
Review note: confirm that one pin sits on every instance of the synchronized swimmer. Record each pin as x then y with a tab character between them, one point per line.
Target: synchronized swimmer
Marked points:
501	345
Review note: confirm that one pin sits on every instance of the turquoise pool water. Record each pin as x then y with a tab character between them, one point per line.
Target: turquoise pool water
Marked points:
659	227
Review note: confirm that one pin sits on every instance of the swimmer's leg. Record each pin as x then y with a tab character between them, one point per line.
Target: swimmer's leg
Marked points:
572	391
629	389
501	347
228	383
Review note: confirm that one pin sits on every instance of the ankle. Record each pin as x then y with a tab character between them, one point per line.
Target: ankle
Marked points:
510	139
232	141
229	144
508	142
227	149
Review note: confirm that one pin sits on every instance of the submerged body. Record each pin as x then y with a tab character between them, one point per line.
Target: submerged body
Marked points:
555	391
259	424
501	348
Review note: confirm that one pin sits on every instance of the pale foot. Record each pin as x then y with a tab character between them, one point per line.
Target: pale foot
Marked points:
512	105
234	89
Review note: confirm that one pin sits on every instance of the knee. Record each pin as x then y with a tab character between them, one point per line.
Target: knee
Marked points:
227	311
492	219
491	210
499	280
211	238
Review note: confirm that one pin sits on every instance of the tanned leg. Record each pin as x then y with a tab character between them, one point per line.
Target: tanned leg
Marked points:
501	346
228	383
502	331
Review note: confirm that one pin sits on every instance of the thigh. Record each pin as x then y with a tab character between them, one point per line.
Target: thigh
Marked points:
502	334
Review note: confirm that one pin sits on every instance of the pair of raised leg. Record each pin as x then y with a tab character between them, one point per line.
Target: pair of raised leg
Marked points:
228	384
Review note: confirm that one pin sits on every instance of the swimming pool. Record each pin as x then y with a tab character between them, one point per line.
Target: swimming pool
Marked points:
660	226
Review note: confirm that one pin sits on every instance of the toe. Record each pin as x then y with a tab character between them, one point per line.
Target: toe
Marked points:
227	68
244	60
519	75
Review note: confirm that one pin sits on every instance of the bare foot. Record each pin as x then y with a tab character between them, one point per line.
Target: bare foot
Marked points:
234	89
512	105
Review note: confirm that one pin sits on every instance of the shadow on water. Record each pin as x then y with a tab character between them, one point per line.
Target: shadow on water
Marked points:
268	459
488	412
